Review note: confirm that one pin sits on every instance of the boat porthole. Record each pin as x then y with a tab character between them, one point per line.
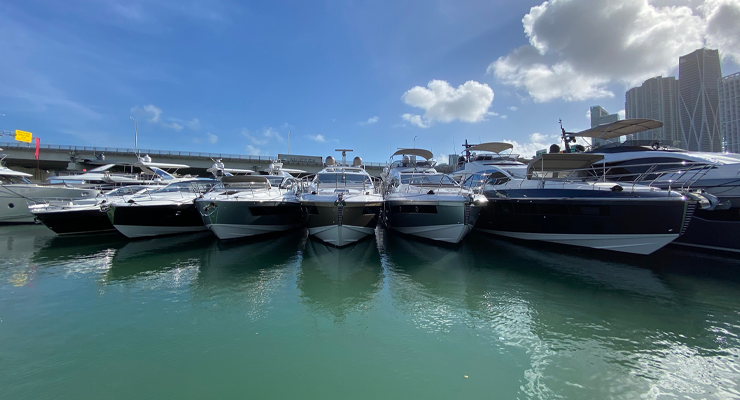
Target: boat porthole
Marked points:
11	205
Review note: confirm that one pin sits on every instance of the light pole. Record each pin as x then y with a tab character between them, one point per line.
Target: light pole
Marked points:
414	141
136	135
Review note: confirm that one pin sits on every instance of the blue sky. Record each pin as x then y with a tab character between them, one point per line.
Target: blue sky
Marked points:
233	77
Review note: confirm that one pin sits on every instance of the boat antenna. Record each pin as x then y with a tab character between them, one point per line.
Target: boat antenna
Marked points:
567	137
344	155
136	137
467	152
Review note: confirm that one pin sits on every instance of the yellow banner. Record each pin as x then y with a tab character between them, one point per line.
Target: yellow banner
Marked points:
23	136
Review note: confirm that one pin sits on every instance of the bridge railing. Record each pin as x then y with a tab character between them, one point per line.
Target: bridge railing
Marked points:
120	150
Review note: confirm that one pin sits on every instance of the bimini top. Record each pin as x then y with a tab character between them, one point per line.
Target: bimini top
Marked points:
620	128
495	147
415	152
562	162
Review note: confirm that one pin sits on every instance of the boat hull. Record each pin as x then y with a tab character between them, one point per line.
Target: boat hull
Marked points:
135	220
76	222
630	226
14	199
442	221
237	219
341	225
713	230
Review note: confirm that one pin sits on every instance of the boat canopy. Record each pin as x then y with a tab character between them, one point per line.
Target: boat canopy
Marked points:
161	165
415	152
495	147
562	162
10	172
619	128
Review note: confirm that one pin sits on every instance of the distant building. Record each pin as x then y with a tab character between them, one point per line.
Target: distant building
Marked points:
656	98
600	116
729	111
698	100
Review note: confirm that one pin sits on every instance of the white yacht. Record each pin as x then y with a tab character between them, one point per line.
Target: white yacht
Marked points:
477	157
241	206
166	211
422	202
16	191
341	204
103	175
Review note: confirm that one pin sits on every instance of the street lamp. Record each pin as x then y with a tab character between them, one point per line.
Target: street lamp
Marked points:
414	141
136	135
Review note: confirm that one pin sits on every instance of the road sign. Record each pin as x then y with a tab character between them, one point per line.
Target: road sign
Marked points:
23	136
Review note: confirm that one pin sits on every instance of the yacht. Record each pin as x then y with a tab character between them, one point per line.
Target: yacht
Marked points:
712	178
85	216
104	175
341	203
165	211
248	205
422	202
557	199
477	157
16	191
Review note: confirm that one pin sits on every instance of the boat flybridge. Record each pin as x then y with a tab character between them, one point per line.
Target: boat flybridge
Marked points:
151	172
341	203
16	192
479	156
559	198
711	178
422	202
248	205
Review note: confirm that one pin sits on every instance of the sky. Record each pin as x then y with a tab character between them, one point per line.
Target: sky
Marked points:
257	78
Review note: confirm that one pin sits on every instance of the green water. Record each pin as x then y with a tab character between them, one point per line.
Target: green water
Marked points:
391	317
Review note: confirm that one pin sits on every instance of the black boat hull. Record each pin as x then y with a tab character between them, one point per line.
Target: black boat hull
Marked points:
76	222
625	225
134	220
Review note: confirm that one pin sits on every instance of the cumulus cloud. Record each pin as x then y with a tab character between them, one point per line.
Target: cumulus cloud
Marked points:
369	121
173	125
193	124
317	138
504	116
153	114
622	114
577	47
588	114
254	151
513	108
212	139
441	102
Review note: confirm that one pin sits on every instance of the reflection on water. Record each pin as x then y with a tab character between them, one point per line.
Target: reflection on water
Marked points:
521	320
339	280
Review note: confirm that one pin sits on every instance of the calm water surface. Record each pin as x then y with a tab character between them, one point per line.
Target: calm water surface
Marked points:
391	317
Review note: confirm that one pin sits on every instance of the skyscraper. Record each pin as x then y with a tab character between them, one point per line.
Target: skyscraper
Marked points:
698	100
729	111
600	116
656	99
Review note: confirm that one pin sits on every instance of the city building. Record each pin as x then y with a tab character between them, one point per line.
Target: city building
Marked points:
600	116
729	111
656	99
698	100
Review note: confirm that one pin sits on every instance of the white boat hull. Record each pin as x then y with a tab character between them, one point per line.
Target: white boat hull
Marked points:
236	231
635	244
340	235
138	231
442	233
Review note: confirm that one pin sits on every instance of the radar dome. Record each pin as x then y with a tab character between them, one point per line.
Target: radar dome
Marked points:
330	160
357	162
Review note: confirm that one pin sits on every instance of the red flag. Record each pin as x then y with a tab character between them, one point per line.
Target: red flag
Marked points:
37	148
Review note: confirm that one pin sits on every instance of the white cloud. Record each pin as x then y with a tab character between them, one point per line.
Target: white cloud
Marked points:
723	28
504	116
537	141
588	114
493	113
417	120
513	108
577	47
212	139
193	124
622	114
370	121
271	133
441	159
254	151
317	138
151	111
441	102
263	138
173	125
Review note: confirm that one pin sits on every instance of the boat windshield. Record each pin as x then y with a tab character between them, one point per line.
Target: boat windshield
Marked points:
427	179
129	190
186	187
12	179
343	179
275	181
